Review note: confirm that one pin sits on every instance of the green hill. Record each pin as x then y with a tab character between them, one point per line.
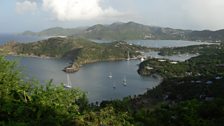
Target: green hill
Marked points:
56	31
132	31
79	51
185	101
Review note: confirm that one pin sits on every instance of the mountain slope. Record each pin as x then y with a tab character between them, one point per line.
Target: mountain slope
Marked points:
56	31
132	31
80	51
207	35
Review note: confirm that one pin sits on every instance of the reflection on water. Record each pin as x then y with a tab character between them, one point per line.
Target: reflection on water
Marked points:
92	78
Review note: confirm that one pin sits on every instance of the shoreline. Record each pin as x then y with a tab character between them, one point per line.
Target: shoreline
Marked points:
72	69
78	65
31	56
160	78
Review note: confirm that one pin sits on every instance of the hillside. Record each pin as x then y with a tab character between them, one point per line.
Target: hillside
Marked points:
185	101
209	62
56	31
79	51
132	31
207	35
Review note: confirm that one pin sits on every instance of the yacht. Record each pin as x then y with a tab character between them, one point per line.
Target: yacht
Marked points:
142	59
124	81
110	75
128	56
69	83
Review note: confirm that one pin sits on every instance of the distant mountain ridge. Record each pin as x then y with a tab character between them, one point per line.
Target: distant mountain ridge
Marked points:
131	31
56	31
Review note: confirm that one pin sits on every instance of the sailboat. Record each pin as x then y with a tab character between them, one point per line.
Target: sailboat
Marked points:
128	57
110	75
124	81
142	59
69	83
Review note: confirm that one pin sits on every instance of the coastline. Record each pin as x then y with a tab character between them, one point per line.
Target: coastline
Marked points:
74	67
71	67
31	56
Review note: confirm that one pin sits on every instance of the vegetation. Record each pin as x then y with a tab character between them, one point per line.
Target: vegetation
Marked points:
195	49
79	51
132	31
56	31
29	103
176	101
209	62
191	93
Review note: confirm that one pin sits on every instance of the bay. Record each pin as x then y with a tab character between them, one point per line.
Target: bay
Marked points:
92	78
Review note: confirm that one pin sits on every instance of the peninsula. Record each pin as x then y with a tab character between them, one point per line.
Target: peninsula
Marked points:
80	51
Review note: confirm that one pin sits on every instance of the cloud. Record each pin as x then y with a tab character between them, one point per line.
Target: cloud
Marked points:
187	14
205	13
67	10
26	6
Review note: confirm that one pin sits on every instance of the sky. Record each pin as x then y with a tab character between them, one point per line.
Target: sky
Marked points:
36	15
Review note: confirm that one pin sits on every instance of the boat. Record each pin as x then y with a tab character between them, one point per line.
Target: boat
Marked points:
124	81
128	57
142	59
69	83
110	75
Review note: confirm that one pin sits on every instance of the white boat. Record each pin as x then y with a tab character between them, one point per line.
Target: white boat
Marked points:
110	75
69	83
142	59
124	81
128	56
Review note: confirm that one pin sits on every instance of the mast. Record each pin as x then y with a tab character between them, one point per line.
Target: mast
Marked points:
69	83
68	80
128	56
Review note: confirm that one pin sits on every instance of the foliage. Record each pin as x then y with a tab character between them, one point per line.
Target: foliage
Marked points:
208	63
181	100
80	51
30	103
